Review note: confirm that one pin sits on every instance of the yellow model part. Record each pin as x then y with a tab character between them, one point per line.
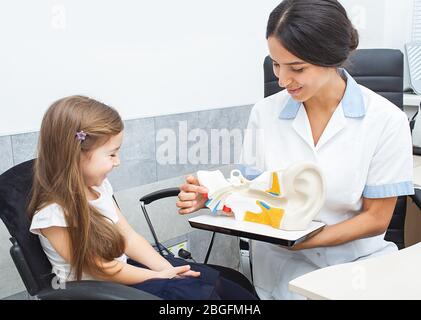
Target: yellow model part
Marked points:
270	216
275	188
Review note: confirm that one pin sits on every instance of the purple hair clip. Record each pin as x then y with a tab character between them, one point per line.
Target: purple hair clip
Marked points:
81	136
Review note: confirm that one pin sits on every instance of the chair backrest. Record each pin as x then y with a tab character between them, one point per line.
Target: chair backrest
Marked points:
27	253
380	70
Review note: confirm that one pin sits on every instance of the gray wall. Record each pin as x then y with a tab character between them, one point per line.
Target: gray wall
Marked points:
138	174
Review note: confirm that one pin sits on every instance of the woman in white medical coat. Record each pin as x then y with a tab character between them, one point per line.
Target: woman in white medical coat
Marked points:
360	140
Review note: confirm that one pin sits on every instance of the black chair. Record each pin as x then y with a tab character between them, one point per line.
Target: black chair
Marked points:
33	265
380	70
29	257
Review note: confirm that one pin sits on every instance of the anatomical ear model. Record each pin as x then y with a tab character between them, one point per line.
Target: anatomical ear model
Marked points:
286	199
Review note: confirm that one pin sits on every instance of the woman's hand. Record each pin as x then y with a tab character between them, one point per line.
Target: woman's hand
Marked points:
178	272
312	240
192	196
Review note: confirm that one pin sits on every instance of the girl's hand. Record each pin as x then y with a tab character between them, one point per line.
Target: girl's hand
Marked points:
192	196
178	272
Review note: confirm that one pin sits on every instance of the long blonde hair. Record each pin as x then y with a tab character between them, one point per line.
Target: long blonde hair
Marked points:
58	178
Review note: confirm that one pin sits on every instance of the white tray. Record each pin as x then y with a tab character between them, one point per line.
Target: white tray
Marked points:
252	230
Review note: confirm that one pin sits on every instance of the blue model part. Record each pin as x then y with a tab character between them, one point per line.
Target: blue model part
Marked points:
264	204
249	172
216	207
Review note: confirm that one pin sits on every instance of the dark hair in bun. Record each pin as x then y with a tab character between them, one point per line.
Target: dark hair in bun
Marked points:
316	31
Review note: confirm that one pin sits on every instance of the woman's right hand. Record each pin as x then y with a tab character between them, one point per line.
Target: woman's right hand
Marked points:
178	272
192	196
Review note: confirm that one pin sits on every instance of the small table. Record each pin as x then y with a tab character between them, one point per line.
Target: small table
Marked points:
391	276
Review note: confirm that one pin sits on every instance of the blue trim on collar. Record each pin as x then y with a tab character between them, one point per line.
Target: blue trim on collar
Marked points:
290	110
352	101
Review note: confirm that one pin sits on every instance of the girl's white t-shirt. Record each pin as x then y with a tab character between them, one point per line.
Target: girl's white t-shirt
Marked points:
53	215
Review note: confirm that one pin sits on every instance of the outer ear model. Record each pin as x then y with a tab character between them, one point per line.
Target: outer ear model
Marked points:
305	190
287	200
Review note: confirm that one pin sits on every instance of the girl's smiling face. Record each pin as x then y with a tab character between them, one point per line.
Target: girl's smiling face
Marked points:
101	161
302	79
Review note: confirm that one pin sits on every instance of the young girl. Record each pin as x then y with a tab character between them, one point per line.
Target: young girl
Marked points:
81	230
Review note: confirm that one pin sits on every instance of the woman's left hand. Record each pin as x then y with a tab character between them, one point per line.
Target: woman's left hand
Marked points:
299	246
313	240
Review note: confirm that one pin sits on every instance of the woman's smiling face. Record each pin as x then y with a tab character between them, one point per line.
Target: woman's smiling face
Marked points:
302	79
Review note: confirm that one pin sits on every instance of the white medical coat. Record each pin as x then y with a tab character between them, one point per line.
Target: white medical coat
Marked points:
364	151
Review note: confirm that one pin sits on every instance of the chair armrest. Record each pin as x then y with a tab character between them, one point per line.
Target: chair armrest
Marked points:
95	290
417	197
160	194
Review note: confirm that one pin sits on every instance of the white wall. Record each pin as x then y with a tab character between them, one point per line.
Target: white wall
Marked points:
382	24
149	57
143	57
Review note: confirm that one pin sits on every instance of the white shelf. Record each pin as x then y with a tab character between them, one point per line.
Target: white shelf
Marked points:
411	99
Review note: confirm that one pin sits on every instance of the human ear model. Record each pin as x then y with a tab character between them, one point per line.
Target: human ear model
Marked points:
285	199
